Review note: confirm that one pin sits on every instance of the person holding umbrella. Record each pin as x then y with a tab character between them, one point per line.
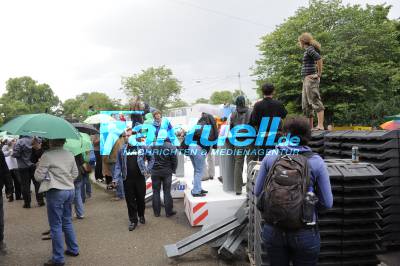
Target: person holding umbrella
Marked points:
23	152
56	172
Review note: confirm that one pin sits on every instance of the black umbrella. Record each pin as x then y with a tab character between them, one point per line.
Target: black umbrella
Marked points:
86	128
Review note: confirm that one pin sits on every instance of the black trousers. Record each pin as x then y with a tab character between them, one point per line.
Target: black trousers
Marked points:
1	217
27	175
135	191
166	185
17	183
98	170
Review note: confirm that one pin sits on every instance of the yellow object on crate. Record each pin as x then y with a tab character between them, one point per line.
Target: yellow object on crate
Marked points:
352	128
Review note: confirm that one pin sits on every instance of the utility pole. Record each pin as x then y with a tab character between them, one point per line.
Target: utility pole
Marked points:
240	84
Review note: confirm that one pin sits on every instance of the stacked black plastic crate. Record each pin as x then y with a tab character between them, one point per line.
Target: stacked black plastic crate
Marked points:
381	148
255	244
350	231
317	141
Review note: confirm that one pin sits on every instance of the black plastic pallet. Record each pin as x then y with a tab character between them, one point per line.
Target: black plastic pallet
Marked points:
364	218
387	154
351	261
345	240
373	145
350	230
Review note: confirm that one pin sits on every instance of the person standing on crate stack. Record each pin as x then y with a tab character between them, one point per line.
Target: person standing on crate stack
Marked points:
311	72
285	188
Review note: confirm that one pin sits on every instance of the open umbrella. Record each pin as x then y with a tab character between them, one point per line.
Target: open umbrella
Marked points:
99	118
76	146
86	128
41	125
391	125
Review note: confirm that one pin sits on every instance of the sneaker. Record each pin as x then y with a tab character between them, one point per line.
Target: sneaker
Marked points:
199	195
80	217
204	191
116	199
171	214
132	226
46	233
52	263
71	254
46	237
142	220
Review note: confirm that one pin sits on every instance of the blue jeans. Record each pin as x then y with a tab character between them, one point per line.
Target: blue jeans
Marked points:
300	247
78	203
120	185
59	213
198	157
86	187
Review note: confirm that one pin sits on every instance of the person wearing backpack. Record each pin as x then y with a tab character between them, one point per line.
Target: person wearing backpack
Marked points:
241	116
290	188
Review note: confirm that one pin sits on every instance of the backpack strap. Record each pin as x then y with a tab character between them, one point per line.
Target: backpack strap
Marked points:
308	155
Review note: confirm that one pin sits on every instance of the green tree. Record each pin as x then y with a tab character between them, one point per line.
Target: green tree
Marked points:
221	97
177	104
78	107
202	100
361	53
24	96
155	86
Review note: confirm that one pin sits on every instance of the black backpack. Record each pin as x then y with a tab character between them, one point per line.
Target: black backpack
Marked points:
281	202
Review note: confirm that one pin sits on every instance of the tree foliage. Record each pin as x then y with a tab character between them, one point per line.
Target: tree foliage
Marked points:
202	100
223	97
26	96
177	104
361	53
78	107
155	86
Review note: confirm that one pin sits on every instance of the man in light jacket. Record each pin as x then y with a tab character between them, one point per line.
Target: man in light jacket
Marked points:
56	172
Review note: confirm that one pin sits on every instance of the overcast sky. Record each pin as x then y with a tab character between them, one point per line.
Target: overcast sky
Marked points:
83	46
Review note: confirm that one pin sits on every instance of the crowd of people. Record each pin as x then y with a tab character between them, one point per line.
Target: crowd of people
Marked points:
61	179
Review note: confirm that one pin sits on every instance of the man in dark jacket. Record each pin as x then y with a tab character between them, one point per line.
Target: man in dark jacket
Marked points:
267	107
5	179
165	163
131	165
23	153
241	116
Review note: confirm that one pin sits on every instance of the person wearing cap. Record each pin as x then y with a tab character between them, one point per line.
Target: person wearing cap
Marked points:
165	163
131	166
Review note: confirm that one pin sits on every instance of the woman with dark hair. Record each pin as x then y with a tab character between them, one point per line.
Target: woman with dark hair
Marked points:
299	246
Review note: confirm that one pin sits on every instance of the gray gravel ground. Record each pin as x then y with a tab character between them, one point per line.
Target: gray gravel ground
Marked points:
103	236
